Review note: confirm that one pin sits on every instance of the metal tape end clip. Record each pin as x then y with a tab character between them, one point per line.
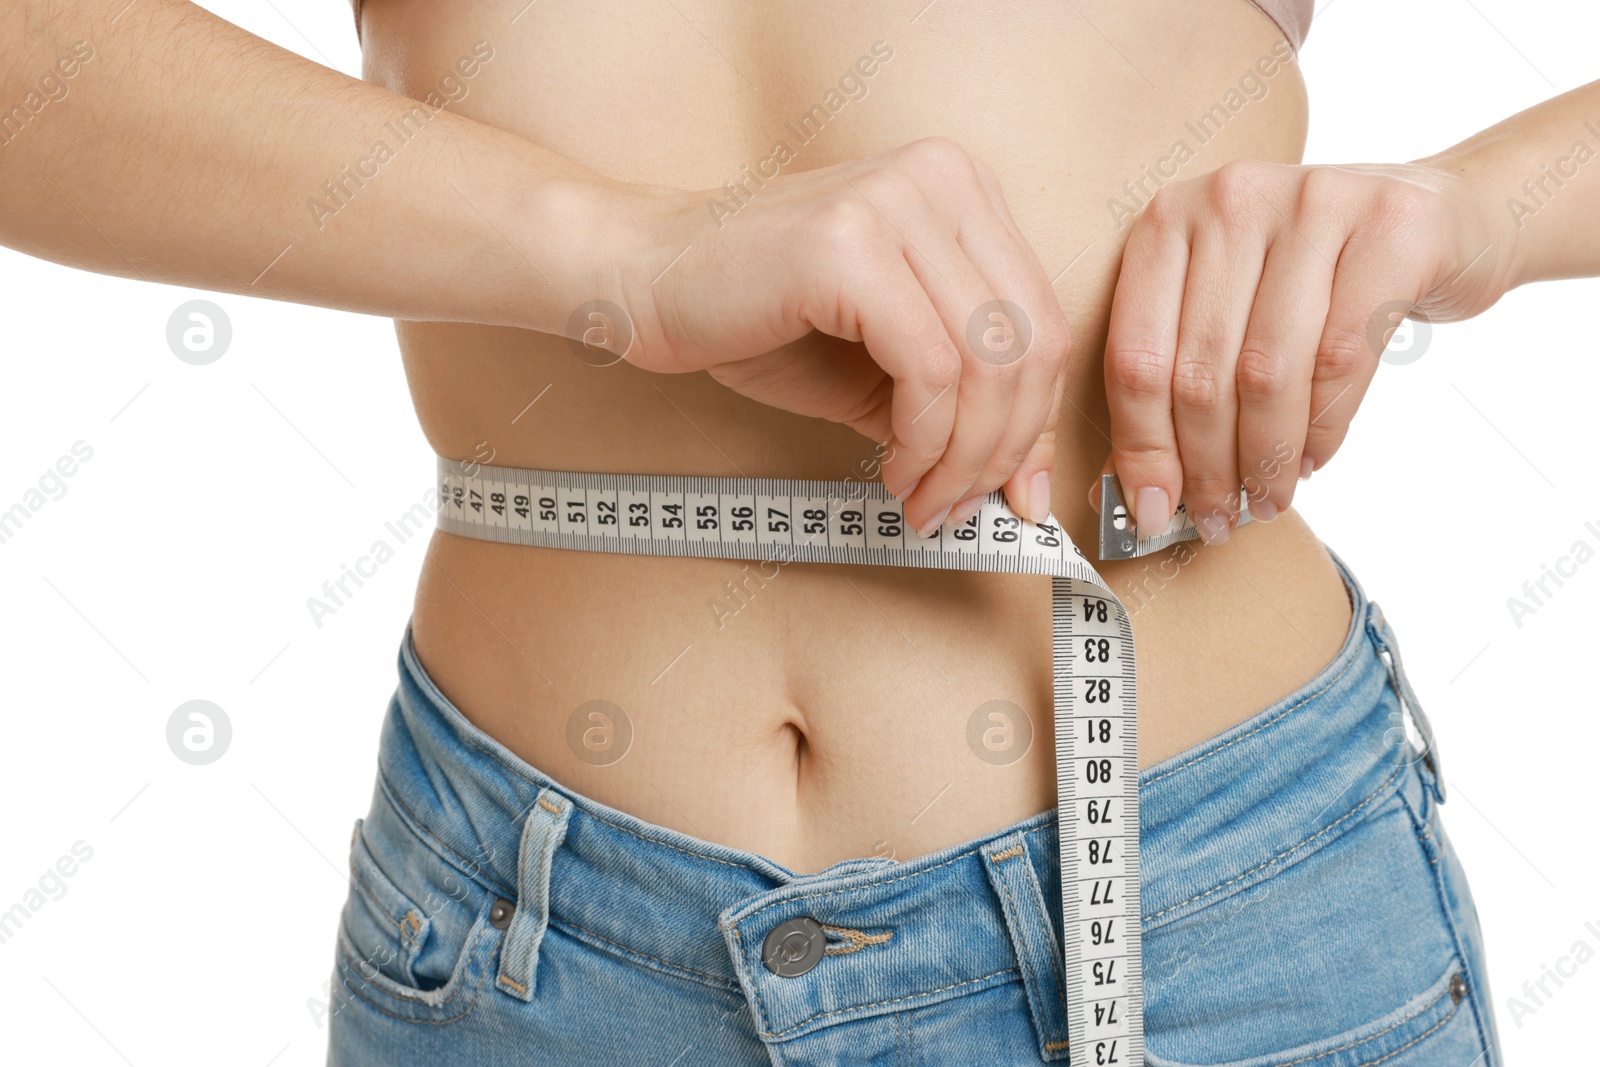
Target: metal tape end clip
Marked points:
1117	539
1120	540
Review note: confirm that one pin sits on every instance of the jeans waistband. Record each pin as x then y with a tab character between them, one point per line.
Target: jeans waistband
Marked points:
1214	820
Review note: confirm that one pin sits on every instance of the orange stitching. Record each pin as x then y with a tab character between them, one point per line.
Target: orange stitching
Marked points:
1005	854
518	986
859	939
1056	1046
554	809
1026	951
1055	953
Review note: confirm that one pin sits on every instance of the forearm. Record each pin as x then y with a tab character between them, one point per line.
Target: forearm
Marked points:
1539	173
189	151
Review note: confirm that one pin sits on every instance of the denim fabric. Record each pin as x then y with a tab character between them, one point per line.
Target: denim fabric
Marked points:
1302	908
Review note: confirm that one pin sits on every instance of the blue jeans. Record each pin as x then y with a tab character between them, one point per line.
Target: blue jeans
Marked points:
1302	906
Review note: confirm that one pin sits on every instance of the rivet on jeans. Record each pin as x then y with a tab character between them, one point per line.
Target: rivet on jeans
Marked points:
1458	987
500	914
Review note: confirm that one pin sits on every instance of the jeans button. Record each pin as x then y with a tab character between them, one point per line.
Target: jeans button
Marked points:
500	914
794	947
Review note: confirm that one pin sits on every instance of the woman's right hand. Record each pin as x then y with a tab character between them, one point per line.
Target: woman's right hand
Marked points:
909	252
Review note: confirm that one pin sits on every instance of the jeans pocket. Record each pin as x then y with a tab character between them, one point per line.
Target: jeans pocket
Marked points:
1344	958
1418	1033
415	939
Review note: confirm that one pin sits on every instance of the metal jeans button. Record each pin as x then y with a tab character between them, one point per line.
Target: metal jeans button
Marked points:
500	914
794	947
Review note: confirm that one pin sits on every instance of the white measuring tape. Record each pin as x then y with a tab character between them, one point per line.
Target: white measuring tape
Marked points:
1096	722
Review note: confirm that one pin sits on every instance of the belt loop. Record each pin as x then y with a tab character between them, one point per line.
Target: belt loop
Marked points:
1033	939
542	832
1389	652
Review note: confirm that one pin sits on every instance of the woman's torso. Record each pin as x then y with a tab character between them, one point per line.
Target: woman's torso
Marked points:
822	712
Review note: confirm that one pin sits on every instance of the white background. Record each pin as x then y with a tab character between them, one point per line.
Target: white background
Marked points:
219	498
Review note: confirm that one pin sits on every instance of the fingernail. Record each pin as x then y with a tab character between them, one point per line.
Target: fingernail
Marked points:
1264	510
1214	529
1307	465
966	509
1039	497
908	490
1152	510
933	524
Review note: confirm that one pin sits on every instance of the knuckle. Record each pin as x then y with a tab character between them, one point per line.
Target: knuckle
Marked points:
847	227
1263	373
1149	459
1002	465
1320	188
1323	441
1398	206
942	365
1342	353
888	186
1139	370
1197	386
1210	491
941	154
1235	190
1165	209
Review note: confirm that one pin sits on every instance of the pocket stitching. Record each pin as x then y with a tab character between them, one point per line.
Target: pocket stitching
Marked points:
1417	1017
413	998
410	937
463	866
1374	795
1387	1030
1450	1015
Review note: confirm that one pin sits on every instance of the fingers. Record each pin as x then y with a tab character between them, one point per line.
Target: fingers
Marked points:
981	399
1037	342
1030	490
1275	368
1141	346
1368	278
1220	289
907	338
999	313
1241	334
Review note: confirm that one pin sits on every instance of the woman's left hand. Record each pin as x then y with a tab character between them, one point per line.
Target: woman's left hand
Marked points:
1251	310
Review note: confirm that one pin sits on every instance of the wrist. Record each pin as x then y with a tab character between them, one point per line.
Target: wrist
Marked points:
603	243
1484	194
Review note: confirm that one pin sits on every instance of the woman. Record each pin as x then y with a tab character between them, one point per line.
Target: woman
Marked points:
808	204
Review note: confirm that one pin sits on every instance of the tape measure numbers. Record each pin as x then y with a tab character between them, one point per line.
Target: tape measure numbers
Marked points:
1095	693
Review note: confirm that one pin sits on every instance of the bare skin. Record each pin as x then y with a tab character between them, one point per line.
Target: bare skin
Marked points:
826	717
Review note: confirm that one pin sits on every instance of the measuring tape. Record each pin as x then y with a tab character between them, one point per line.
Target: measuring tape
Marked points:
1096	722
1119	539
